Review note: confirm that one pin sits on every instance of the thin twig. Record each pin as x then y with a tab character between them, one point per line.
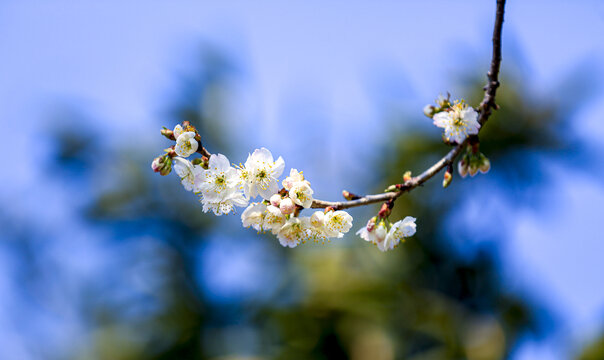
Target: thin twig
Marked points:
485	109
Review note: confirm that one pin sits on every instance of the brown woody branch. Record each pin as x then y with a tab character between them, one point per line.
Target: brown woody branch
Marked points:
485	109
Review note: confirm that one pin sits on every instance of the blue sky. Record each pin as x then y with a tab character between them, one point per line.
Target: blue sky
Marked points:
123	62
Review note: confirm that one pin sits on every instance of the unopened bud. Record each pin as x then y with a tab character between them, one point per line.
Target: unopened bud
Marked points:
447	179
156	164
275	200
168	133
385	211
287	206
462	168
485	166
473	168
349	196
407	176
429	111
371	224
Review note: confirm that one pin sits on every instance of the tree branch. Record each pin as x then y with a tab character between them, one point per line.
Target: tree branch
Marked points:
485	109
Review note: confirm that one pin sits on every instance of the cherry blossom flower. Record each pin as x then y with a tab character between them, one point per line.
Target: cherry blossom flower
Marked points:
253	216
374	233
219	178
293	232
186	145
188	173
178	130
337	223
293	178
260	172
301	194
274	219
459	122
225	204
398	232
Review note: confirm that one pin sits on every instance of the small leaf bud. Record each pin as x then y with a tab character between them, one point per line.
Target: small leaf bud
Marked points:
407	176
349	196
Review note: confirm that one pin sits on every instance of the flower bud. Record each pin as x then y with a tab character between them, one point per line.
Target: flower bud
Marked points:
275	200
317	219
156	164
462	168
407	176
371	224
385	210
349	196
473	168
429	111
485	165
287	206
168	133
447	179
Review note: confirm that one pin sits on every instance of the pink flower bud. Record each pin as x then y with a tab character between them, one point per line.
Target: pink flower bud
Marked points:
156	164
287	206
275	200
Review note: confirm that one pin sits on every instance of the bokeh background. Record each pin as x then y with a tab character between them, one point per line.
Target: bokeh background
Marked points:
100	258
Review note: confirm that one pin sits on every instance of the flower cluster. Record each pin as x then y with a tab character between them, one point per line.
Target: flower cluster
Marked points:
222	187
472	162
280	214
386	235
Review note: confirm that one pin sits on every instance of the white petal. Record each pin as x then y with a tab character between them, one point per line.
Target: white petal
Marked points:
263	154
219	162
272	189
279	166
442	119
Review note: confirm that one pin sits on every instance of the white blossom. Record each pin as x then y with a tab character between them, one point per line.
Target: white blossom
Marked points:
398	232
293	232
274	219
225	204
301	194
337	223
260	172
253	216
372	232
317	219
178	130
186	145
188	173
294	177
459	122
218	179
287	206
